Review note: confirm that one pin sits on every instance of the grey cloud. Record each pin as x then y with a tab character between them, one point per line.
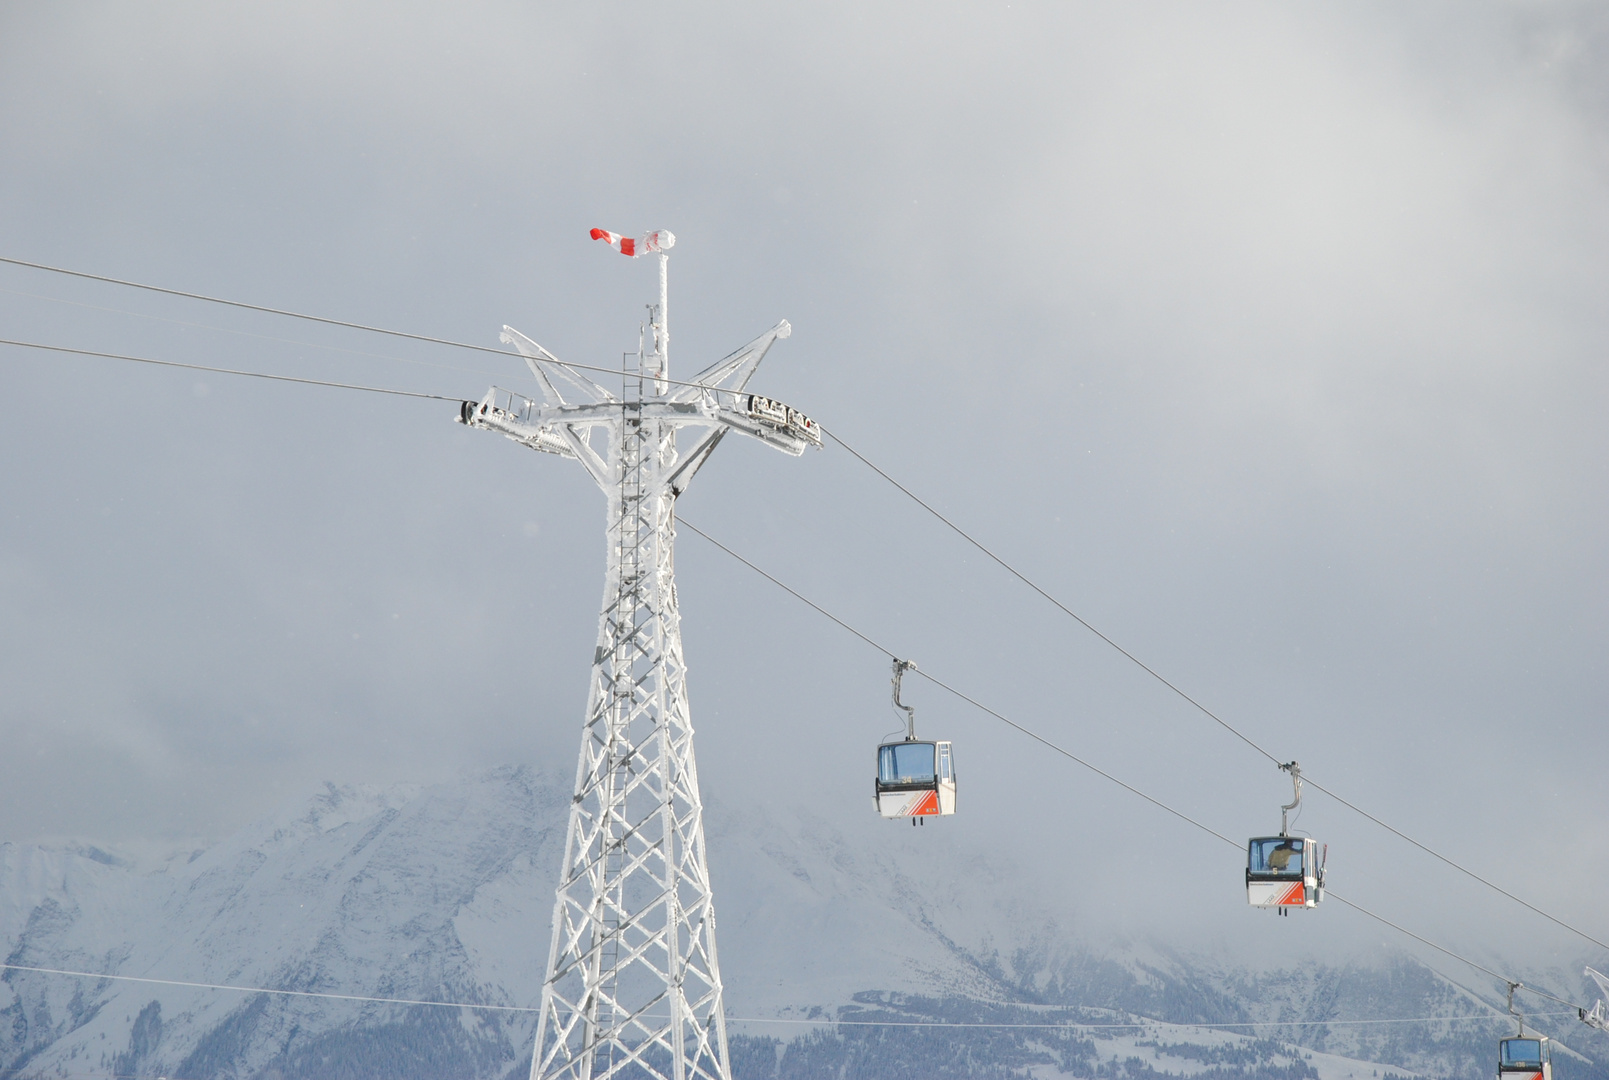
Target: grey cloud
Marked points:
1270	338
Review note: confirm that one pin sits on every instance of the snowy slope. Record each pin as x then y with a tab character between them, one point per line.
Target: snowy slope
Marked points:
444	893
356	891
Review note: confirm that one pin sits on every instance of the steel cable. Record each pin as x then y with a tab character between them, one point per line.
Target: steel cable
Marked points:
1020	576
258	337
1143	1022
1181	815
1237	733
855	453
224	371
1049	744
327	321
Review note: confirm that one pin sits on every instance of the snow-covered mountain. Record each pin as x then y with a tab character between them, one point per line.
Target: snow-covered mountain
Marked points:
443	893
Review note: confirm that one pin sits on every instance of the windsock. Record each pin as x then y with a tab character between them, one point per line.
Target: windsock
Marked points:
662	240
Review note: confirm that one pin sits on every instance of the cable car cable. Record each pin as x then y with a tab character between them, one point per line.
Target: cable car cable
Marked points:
266	990
837	438
885	650
937	682
1220	721
874	644
330	322
1101	772
1462	869
250	334
1020	576
225	371
1425	941
1143	1022
974	702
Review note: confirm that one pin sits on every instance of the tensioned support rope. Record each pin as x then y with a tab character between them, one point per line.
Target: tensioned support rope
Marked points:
1462	959
1101	772
224	371
1214	717
1461	869
1020	576
233	332
326	321
974	702
731	1019
1142	1023
265	990
837	438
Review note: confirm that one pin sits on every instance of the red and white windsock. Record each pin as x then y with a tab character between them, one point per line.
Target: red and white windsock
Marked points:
662	240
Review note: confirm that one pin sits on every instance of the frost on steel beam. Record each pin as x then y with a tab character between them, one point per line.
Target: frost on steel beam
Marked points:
633	984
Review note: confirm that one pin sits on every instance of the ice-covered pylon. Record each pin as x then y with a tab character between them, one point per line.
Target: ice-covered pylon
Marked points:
633	987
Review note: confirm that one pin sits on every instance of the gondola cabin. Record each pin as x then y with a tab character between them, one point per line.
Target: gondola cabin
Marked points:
1524	1059
915	779
1284	872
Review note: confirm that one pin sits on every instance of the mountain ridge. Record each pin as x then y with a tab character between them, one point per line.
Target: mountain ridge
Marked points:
443	893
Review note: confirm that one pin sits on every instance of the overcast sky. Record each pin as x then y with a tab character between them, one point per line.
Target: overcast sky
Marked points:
1271	339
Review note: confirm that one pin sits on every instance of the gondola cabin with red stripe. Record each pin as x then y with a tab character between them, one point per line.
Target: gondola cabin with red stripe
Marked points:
915	778
1524	1059
1285	871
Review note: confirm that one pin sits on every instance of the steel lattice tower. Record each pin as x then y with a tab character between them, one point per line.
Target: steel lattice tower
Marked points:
633	985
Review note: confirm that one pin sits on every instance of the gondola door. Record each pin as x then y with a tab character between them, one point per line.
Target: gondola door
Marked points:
946	779
907	779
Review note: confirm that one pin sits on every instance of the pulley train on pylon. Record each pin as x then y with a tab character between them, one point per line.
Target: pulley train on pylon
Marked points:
915	779
1285	871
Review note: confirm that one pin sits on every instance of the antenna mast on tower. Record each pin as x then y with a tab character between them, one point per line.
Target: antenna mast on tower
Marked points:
633	987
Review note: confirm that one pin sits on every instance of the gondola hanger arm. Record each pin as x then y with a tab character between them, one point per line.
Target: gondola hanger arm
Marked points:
900	668
1295	769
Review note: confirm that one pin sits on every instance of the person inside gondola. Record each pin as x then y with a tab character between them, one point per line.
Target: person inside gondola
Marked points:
1279	856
